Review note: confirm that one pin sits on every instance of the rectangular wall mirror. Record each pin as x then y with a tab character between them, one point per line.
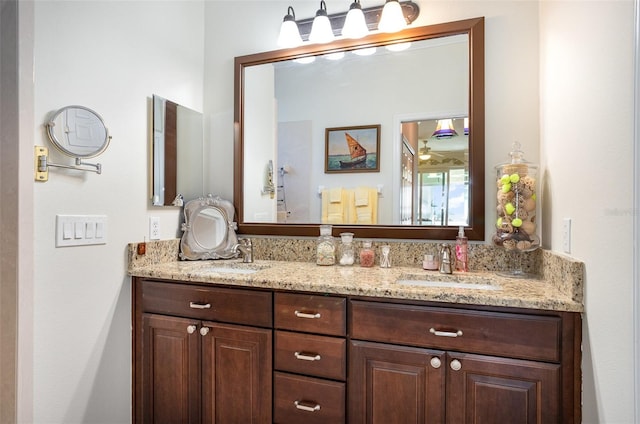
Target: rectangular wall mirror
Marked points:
284	106
177	159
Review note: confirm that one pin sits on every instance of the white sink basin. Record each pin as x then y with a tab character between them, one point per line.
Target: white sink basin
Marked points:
450	282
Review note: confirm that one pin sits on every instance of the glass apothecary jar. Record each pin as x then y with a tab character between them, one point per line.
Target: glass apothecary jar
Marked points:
325	247
346	252
367	255
518	204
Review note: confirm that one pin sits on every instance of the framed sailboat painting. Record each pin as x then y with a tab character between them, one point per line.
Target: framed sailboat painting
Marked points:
352	149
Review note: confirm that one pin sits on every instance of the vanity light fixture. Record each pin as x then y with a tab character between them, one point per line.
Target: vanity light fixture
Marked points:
289	32
444	129
372	16
392	19
321	31
355	25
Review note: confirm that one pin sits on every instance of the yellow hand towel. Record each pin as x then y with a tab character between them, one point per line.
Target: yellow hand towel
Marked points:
335	195
368	215
332	212
362	196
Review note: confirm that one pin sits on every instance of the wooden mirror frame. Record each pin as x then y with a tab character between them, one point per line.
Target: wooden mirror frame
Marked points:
474	28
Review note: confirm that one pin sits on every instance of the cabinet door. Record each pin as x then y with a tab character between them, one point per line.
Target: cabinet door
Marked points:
170	370
395	384
236	374
487	389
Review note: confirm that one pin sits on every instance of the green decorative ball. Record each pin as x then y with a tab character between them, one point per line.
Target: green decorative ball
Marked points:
504	179
506	188
516	222
514	178
509	208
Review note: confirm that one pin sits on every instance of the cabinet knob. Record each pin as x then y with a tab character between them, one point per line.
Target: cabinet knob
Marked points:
306	406
191	329
196	305
204	331
456	365
435	362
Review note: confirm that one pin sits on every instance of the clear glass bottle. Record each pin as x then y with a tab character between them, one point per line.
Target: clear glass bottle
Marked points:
347	254
367	255
325	247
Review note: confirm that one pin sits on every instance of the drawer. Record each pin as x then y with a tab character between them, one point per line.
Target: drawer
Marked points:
524	336
307	400
319	356
311	313
238	306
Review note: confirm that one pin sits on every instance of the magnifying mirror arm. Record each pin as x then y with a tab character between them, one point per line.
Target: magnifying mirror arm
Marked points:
43	164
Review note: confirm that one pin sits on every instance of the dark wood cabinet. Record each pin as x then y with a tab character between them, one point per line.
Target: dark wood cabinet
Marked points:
429	364
489	389
204	353
190	370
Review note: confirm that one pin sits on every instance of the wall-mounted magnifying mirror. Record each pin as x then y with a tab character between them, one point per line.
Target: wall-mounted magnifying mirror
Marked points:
177	166
209	230
75	131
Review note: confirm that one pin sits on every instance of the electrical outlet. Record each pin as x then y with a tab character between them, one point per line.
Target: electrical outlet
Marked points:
154	228
566	235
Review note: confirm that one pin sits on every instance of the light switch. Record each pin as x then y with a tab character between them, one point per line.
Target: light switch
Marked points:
90	230
79	230
99	230
67	230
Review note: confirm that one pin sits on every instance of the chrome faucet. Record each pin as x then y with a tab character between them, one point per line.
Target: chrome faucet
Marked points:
244	248
446	265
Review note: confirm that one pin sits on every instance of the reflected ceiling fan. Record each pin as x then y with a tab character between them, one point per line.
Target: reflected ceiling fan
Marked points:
426	153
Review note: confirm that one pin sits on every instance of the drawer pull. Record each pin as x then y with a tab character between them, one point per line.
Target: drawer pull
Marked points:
204	331
435	362
195	305
191	329
445	333
306	407
305	356
311	315
455	365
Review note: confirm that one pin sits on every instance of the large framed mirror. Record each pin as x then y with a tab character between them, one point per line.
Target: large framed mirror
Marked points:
286	108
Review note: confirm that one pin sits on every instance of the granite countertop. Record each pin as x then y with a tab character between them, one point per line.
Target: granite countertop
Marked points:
544	293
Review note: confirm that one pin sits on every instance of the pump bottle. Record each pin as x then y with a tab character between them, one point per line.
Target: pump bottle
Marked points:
461	251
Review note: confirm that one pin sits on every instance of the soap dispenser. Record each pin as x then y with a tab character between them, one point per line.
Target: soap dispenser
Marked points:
462	263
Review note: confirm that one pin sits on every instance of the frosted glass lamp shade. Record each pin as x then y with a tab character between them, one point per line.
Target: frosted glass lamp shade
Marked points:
321	31
355	25
289	32
392	19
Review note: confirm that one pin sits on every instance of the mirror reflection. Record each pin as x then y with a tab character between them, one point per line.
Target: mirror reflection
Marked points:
78	132
285	109
430	78
177	166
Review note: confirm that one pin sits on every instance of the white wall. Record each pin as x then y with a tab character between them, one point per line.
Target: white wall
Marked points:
109	56
586	64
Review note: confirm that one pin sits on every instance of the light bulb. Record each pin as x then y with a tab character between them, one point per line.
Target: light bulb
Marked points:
355	25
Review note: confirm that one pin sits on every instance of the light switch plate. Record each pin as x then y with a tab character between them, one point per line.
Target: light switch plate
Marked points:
80	230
